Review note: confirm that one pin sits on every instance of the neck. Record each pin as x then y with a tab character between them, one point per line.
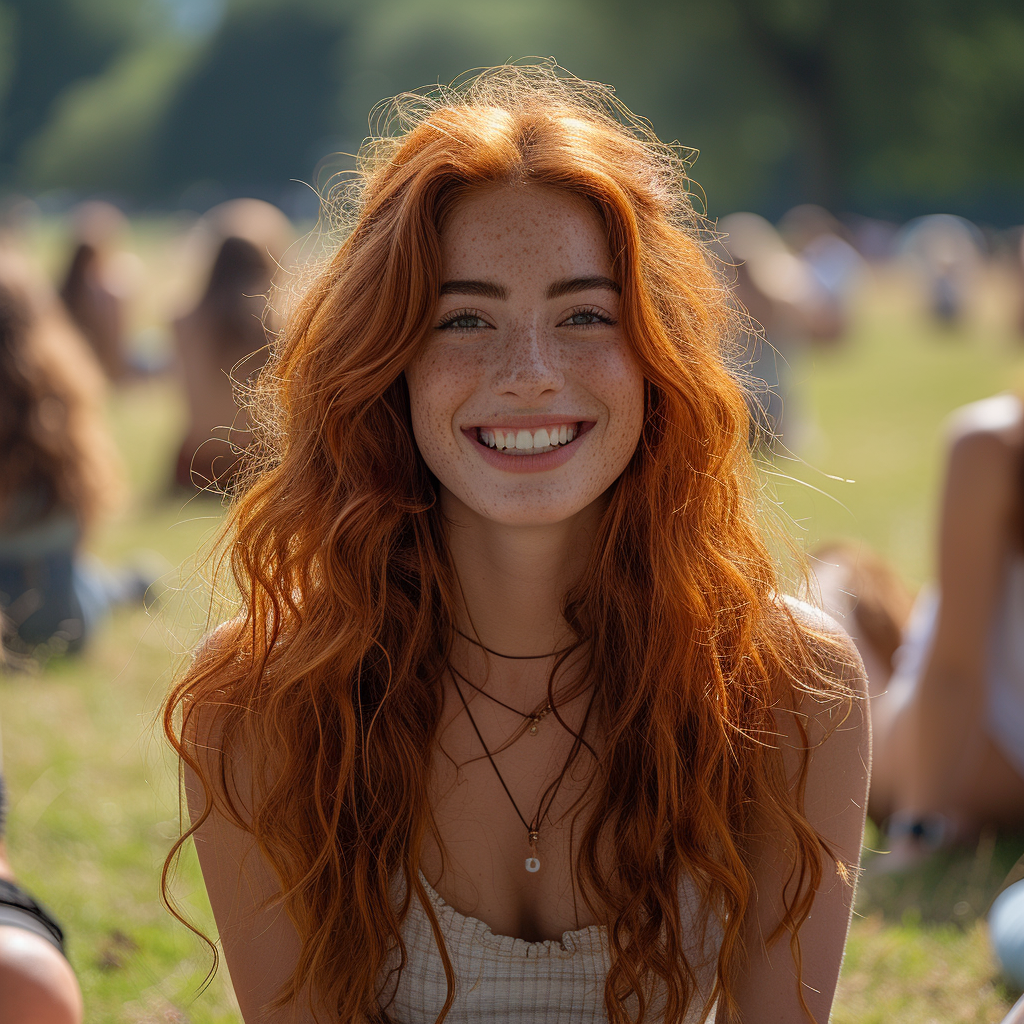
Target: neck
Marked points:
514	578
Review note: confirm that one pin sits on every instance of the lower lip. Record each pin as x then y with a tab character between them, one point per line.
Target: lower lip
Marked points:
529	463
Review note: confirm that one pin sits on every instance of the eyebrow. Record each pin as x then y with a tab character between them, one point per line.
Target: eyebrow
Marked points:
582	284
485	288
559	288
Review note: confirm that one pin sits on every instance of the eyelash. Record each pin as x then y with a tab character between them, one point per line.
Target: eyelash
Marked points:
459	314
447	322
591	311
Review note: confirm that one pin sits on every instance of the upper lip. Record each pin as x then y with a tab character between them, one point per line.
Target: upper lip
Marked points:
534	422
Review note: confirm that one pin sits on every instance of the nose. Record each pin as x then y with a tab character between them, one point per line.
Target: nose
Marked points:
528	364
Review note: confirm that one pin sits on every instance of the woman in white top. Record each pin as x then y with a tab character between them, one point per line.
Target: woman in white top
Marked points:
513	722
948	706
951	726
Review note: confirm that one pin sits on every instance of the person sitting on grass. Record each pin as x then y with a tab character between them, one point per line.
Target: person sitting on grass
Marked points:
222	343
514	723
949	724
58	475
37	984
98	282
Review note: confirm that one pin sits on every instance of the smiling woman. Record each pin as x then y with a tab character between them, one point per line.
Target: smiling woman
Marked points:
538	374
513	722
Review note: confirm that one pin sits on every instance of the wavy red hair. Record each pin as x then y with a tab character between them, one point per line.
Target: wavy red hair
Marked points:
329	679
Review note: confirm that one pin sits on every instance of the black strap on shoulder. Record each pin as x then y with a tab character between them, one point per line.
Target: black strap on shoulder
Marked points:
19	910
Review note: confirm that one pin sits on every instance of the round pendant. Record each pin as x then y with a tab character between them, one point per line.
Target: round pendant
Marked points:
532	864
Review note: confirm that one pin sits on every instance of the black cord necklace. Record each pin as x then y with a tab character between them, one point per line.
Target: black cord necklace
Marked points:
532	827
535	717
510	657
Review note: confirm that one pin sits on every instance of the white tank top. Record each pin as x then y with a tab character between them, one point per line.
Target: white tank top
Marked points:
501	979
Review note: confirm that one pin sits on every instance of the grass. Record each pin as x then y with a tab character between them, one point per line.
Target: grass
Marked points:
94	792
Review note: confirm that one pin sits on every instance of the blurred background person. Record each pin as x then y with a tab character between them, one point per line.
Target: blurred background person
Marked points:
819	239
946	252
869	598
949	723
100	280
222	343
58	473
787	305
37	984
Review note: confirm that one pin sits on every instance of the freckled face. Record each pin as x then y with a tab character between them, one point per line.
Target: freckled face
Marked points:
527	402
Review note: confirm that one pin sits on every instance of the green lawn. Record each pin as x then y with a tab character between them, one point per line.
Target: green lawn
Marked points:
94	792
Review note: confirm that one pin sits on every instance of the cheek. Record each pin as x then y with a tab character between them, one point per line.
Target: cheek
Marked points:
626	407
618	382
422	385
437	387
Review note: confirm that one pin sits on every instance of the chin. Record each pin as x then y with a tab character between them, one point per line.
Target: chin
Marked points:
505	512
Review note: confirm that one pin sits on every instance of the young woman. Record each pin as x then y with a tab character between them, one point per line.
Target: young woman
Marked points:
222	342
513	722
58	474
98	284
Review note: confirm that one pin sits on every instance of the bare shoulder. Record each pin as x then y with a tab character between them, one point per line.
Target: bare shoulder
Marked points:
834	693
833	649
992	423
986	445
209	707
213	662
36	982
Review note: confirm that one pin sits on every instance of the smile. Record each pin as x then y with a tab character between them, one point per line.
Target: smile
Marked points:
519	441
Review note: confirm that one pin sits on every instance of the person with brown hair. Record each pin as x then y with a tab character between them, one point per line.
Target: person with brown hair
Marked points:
58	474
222	342
513	722
98	283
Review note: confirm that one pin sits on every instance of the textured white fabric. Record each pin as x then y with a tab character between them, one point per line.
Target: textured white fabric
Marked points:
503	979
1005	670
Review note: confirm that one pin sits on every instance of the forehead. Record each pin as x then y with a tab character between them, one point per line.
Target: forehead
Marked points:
514	227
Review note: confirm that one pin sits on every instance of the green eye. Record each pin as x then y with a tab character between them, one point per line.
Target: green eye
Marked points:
586	318
462	322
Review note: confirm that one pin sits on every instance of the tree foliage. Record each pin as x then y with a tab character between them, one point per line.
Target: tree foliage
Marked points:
50	44
882	106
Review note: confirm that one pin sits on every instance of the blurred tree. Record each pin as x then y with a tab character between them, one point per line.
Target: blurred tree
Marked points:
898	100
881	106
260	98
102	134
49	44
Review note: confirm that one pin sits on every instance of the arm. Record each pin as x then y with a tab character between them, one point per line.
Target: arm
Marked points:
835	805
977	506
261	946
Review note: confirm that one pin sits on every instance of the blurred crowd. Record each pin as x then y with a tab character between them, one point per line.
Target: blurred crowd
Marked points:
945	668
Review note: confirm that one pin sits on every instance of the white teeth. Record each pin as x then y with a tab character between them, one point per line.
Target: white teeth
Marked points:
525	440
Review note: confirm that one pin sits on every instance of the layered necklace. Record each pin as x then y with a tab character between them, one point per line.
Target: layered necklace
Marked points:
533	826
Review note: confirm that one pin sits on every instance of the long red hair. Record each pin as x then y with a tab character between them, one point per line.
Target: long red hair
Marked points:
329	679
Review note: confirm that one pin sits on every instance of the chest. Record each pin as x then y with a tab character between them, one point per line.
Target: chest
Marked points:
484	803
